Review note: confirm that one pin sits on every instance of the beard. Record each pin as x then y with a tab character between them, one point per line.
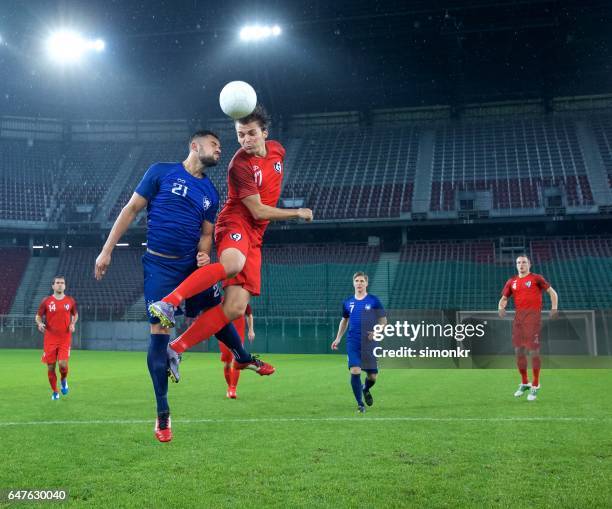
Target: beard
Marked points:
209	161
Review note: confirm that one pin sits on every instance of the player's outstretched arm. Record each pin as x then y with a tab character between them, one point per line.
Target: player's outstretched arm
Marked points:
554	301
122	223
263	212
341	330
501	307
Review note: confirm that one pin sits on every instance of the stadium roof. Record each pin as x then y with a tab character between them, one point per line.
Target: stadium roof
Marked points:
169	58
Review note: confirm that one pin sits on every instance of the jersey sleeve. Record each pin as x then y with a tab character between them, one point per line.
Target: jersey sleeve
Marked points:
240	177
42	307
345	310
248	311
211	214
542	283
149	185
74	310
378	307
507	291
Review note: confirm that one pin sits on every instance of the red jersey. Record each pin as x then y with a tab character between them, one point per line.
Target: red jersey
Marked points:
527	291
248	175
58	315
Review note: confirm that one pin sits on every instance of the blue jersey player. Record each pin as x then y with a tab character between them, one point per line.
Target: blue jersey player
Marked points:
359	314
181	204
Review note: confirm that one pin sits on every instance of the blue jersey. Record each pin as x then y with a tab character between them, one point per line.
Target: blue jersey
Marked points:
363	315
178	205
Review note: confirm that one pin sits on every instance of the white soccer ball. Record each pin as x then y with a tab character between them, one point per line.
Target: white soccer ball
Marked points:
237	99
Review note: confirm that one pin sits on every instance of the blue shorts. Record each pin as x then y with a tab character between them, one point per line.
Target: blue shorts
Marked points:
358	359
163	275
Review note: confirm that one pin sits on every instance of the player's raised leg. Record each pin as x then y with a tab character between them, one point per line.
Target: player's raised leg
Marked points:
63	368
370	380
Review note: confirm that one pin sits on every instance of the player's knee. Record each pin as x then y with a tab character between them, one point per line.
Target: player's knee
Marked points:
50	367
372	376
355	370
233	309
233	262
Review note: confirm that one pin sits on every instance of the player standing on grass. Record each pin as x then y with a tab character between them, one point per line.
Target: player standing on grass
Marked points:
232	375
527	288
254	185
359	314
60	316
181	204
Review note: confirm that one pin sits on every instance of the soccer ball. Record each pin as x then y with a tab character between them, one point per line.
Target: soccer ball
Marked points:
237	99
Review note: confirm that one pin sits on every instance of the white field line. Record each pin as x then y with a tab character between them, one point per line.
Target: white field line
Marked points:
356	418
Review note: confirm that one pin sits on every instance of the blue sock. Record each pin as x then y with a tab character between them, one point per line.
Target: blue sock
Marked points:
158	368
368	384
356	385
230	338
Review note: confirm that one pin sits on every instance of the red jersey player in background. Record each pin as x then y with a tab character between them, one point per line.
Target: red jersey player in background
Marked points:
527	288
60	316
254	185
232	375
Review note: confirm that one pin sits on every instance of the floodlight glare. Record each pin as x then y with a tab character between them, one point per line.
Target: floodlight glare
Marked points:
257	32
67	46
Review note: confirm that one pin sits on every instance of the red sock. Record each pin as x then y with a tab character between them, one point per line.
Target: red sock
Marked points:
63	373
234	376
521	364
240	325
226	372
536	363
197	282
204	326
52	380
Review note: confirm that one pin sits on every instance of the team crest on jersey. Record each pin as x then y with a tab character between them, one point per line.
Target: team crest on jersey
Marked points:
528	284
206	203
236	236
67	306
278	167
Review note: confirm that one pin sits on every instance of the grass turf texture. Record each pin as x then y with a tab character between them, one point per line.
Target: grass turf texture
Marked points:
465	441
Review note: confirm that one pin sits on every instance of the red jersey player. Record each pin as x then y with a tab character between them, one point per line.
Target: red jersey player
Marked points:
254	185
232	375
527	288
60	316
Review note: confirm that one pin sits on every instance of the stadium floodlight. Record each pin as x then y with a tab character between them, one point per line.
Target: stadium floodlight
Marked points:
258	32
68	46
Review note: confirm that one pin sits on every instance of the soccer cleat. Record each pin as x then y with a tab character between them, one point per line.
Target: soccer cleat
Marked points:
174	359
163	427
533	393
164	311
523	388
361	409
369	400
64	388
260	367
54	396
231	392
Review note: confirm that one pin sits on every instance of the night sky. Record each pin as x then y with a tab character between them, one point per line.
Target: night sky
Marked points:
169	59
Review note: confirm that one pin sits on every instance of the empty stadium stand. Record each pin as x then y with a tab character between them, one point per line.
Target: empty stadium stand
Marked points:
14	262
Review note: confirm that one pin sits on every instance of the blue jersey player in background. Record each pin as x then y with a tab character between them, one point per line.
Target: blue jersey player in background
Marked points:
181	204
359	314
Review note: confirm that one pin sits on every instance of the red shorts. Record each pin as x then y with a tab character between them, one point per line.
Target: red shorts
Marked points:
55	349
526	330
238	236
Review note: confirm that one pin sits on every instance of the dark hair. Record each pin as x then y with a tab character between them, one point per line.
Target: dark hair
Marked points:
59	276
259	115
201	133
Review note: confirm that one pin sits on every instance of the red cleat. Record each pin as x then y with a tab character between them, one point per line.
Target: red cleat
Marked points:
260	367
163	428
231	392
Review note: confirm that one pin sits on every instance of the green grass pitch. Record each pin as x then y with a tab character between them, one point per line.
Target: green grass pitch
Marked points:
434	437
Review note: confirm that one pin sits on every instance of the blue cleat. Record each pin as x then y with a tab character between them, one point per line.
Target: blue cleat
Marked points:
361	409
64	388
174	359
165	313
55	396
